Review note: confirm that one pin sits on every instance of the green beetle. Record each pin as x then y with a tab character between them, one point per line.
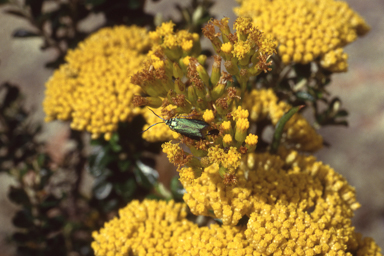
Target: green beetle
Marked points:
191	128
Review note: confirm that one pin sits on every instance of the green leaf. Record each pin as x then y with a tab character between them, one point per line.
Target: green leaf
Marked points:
11	95
16	13
126	189
177	189
18	196
305	96
124	165
102	189
48	203
94	2
280	128
145	175
99	160
114	142
23	219
20	237
21	33
341	113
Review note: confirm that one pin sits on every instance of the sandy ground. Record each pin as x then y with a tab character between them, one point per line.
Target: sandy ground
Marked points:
356	152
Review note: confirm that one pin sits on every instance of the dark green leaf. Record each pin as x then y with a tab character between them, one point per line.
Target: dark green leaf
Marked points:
342	123
48	203
124	165
35	7
99	160
303	70
280	128
17	13
18	196
145	175
305	96
134	4
21	33
176	188
20	237
12	93
114	142
341	113
23	219
102	190
41	159
94	2
126	189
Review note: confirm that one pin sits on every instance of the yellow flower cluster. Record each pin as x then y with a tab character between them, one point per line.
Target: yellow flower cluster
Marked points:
296	205
307	29
142	229
297	131
175	83
93	88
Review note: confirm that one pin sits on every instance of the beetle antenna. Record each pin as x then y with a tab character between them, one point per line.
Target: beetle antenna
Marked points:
156	114
151	126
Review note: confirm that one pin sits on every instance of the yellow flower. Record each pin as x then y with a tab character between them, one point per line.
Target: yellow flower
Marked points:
144	228
93	88
208	116
297	131
307	29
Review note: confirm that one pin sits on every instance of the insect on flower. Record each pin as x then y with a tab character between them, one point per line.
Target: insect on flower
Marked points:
191	128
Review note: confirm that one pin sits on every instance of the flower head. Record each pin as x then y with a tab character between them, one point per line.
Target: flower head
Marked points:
93	88
307	29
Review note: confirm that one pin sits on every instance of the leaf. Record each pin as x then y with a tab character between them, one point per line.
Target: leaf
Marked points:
94	2
126	189
48	203
102	189
280	128
305	96
21	33
114	142
124	165
12	93
17	13
35	7
23	219
177	189
20	237
18	196
341	113
145	175
99	160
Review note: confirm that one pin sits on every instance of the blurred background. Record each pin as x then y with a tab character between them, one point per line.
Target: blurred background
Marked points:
356	152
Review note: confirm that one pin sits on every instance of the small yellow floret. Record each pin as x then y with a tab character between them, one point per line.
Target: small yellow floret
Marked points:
240	113
227	47
242	124
226	125
251	139
208	116
227	139
186	61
